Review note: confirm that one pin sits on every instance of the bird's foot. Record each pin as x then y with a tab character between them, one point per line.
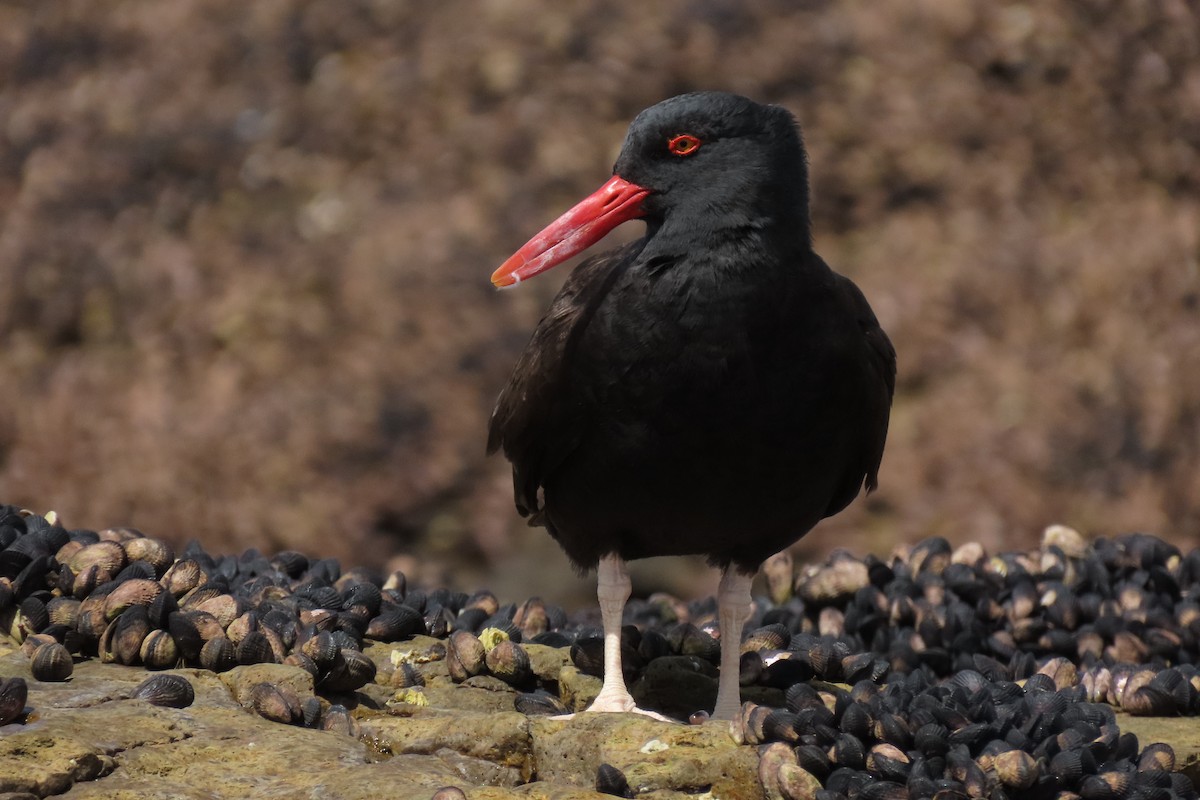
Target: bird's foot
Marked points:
617	702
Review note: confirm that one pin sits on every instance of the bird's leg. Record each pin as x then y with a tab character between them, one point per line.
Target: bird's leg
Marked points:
733	609
612	590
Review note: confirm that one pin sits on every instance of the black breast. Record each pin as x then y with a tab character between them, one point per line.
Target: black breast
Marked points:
666	408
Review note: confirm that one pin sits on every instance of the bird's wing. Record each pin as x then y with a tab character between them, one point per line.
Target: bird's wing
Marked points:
882	360
534	421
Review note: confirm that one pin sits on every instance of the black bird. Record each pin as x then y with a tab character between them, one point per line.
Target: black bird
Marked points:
713	388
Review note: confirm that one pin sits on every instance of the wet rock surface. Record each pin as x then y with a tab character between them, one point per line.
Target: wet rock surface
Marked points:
1066	672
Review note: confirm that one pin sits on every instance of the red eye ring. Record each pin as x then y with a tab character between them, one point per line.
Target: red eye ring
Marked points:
683	145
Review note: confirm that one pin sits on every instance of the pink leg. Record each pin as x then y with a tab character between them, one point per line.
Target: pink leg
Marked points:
733	609
612	590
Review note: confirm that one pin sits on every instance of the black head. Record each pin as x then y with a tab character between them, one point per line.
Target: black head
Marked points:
698	168
718	157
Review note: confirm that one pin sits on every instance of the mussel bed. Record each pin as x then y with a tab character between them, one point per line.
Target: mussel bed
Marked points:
936	672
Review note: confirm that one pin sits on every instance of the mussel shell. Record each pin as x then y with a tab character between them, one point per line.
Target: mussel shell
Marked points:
796	783
611	781
1176	684
29	617
931	739
888	762
1069	766
279	650
439	621
395	623
847	782
298	659
1107	785
255	648
688	640
1182	785
1040	683
465	656
652	645
155	552
322	649
134	592
1060	670
534	704
243	625
779	572
52	662
835	581
284	622
826	656
1157	757
769	637
406	675
225	607
310	712
781	725
125	635
771	759
1016	769
40	574
91	622
276	702
1149	701
136	570
161	608
118	534
208	626
814	759
351	670
363	598
183	576
81	585
509	662
14	693
339	720
218	655
63	611
106	556
159	650
346	639
893	729
856	720
802	695
172	691
470	619
865	666
531	617
973	735
186	634
290	563
747	726
848	751
883	790
326	597
34	641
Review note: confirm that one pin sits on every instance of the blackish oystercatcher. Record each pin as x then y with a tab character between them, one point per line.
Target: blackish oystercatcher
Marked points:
713	388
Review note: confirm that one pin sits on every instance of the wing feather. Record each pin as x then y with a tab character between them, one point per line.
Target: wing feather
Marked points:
534	422
882	358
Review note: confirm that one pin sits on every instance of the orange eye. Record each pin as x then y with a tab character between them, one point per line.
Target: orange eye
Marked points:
683	145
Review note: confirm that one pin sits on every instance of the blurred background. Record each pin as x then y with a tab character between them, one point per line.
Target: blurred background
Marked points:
245	247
